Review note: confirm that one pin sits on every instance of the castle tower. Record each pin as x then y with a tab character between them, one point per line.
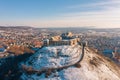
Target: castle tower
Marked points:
46	42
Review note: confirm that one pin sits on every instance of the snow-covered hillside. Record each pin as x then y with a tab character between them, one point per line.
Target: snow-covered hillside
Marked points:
93	66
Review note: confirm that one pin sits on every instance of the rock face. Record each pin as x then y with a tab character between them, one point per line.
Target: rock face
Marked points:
93	66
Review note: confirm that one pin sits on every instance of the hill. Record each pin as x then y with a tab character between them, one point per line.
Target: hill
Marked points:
93	66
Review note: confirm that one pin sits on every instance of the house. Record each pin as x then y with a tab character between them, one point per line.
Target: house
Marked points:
116	54
38	43
2	49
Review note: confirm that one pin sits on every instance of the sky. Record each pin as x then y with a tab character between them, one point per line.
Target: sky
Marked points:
60	13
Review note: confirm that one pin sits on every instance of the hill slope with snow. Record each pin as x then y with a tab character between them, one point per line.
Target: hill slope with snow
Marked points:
93	66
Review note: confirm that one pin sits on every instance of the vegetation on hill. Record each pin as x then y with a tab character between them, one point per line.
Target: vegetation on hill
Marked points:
17	50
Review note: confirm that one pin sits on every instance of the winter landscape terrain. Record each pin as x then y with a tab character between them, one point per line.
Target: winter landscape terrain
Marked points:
59	39
92	67
25	55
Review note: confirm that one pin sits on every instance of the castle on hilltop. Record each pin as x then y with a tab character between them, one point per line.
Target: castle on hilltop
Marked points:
63	39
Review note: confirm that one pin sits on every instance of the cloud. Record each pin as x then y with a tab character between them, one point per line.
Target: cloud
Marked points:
107	16
97	4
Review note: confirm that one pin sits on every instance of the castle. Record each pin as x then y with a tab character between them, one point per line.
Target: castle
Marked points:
64	39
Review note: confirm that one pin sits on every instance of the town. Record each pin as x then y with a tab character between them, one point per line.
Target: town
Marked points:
19	40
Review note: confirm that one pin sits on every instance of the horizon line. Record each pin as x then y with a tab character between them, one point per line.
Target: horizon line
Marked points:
92	27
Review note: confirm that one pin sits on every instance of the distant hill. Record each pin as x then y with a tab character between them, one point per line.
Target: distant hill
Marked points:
63	29
15	27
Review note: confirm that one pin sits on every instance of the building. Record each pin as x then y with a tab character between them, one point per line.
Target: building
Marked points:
56	38
2	49
64	42
38	43
68	35
46	42
64	39
116	54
